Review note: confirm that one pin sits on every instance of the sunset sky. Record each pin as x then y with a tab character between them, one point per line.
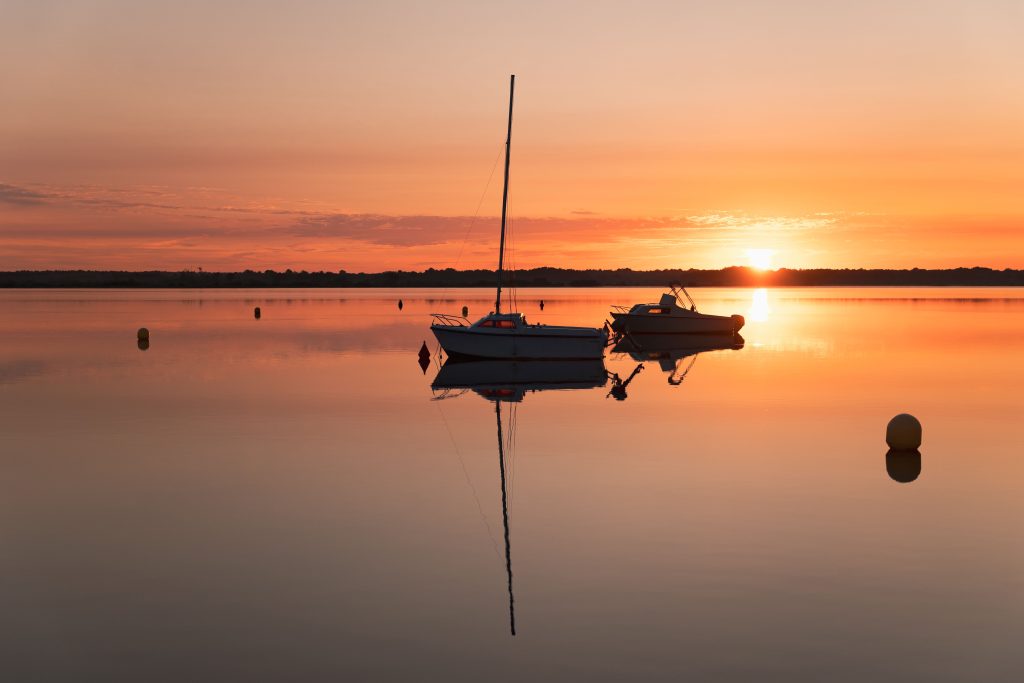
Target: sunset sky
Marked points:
367	136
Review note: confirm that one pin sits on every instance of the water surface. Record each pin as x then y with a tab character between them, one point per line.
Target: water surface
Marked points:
288	498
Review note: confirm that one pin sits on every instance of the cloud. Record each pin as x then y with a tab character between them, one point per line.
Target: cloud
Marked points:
20	196
431	230
385	230
100	197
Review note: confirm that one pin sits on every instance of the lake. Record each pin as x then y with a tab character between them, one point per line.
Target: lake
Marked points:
289	498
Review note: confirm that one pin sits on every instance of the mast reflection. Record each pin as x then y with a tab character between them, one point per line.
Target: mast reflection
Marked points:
508	381
504	519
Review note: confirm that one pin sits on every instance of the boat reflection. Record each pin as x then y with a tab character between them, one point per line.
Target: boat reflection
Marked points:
671	351
511	380
903	466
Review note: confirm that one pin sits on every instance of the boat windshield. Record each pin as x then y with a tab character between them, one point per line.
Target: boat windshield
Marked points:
501	324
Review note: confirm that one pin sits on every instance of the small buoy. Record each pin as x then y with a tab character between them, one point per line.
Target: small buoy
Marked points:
903	466
542	304
256	313
424	358
903	433
143	344
465	311
143	333
400	304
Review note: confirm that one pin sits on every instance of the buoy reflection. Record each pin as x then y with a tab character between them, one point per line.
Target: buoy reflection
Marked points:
903	466
759	310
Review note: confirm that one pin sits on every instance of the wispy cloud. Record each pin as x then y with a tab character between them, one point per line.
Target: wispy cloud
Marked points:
20	196
45	226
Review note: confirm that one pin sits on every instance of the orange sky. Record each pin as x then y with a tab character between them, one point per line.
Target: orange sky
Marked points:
321	135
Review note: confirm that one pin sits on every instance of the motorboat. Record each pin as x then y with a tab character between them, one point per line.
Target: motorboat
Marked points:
507	334
672	316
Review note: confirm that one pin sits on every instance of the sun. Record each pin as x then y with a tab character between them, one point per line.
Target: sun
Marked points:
761	259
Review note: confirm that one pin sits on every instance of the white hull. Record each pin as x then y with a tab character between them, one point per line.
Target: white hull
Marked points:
690	323
547	342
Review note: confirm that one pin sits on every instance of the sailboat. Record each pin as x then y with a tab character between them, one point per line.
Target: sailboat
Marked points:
507	335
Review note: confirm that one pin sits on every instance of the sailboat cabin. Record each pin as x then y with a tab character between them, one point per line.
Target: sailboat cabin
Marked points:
502	321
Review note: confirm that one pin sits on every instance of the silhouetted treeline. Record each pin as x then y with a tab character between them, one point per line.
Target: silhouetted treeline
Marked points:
536	277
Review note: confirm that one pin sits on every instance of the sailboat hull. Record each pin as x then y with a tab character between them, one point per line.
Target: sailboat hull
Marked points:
535	342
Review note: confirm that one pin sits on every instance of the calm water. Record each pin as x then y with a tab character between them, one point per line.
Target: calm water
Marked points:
289	499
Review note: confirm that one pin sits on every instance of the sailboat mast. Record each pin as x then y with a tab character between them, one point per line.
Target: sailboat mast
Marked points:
504	517
504	195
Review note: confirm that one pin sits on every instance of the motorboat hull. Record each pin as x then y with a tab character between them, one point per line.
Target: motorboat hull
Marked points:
535	342
694	323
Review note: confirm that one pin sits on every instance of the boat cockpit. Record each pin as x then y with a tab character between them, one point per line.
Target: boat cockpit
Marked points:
502	321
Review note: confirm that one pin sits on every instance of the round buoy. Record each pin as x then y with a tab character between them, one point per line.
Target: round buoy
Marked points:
903	433
143	333
903	466
465	311
400	305
256	313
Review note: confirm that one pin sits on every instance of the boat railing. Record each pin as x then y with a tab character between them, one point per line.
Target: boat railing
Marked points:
621	309
450	320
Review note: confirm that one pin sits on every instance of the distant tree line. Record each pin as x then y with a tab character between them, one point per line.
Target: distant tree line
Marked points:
535	277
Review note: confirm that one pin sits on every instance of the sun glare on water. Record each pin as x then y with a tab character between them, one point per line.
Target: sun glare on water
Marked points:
760	258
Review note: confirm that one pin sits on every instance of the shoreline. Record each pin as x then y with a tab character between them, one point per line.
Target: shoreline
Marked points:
554	278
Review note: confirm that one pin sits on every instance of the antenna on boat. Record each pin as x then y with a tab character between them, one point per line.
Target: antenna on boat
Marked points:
677	287
504	194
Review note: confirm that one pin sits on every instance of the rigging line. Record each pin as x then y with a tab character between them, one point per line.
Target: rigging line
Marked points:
512	448
513	430
462	463
509	459
476	214
511	249
515	264
512	267
515	443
